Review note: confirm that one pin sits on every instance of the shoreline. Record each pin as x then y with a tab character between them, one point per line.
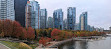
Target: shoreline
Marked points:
58	43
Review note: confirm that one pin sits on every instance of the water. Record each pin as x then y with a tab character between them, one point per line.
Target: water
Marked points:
104	43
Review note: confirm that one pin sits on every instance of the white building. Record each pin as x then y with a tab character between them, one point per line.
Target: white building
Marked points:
7	9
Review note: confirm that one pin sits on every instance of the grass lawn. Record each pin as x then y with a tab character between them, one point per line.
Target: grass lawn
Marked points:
11	45
14	45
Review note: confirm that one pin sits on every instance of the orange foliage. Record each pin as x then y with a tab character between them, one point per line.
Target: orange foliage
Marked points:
30	33
44	40
55	34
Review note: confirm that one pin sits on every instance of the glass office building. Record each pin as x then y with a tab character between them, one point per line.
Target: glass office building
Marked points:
50	22
65	24
19	6
71	18
43	18
33	13
83	21
58	19
28	14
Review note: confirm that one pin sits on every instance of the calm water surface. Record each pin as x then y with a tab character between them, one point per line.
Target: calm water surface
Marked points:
104	43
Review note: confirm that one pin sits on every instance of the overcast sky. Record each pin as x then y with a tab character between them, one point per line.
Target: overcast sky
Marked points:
99	11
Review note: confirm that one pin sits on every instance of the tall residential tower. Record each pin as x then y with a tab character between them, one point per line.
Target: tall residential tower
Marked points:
7	10
71	18
83	21
50	22
33	14
58	19
43	18
28	12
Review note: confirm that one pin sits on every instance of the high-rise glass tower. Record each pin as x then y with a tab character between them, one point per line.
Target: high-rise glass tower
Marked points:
43	18
71	18
65	24
50	22
7	9
33	12
58	19
83	21
28	12
19	6
76	26
110	28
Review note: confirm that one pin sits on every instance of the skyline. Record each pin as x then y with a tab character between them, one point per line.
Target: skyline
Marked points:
97	10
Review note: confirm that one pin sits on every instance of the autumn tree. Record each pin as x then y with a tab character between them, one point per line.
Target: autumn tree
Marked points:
0	26
49	30
17	29
30	33
7	27
44	40
55	34
24	34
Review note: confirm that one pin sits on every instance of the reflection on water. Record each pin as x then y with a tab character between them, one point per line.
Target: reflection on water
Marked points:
96	44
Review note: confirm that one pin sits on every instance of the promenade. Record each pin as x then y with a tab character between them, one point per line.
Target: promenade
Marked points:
3	46
46	48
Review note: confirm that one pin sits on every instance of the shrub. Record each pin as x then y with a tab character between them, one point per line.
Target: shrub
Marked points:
24	46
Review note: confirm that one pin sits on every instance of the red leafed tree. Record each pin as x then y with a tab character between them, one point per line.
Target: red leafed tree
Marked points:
16	29
66	35
0	26
30	33
24	34
55	34
44	40
19	32
48	39
7	27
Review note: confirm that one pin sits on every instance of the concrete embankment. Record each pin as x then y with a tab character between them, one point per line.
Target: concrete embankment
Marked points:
74	39
60	42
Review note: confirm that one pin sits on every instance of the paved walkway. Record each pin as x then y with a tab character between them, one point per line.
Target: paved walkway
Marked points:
45	48
3	46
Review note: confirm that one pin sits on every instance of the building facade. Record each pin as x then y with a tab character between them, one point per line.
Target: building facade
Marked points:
19	6
88	27
77	26
33	14
65	24
35	19
92	28
58	19
71	18
50	22
28	15
110	28
43	18
83	21
7	10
